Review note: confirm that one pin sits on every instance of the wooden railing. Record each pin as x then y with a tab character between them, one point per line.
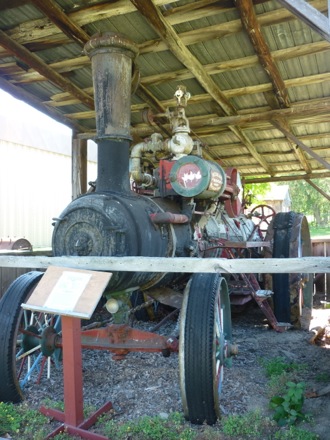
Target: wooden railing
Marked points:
188	265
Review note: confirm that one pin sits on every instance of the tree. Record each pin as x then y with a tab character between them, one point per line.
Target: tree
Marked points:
254	192
307	200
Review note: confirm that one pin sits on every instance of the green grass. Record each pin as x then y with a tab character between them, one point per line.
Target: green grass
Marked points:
20	422
316	231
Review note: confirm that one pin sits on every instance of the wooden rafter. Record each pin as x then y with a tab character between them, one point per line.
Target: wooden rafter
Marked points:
320	190
242	131
63	99
40	66
289	178
76	33
310	15
45	33
179	75
298	152
305	111
252	27
25	96
178	48
69	65
300	144
62	21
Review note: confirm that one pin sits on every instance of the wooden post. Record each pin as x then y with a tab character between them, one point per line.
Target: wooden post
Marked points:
79	167
72	371
73	416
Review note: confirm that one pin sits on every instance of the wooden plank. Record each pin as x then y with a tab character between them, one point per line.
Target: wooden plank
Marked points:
176	265
62	21
305	109
300	155
19	76
289	178
30	99
300	144
324	194
61	99
310	15
40	66
79	167
179	49
68	292
42	31
252	27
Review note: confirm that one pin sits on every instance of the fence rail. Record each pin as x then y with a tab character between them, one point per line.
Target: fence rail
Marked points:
18	264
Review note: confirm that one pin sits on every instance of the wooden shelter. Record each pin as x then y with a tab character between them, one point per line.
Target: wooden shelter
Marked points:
258	73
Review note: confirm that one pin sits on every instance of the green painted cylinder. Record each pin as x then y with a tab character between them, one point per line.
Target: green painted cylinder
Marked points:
192	176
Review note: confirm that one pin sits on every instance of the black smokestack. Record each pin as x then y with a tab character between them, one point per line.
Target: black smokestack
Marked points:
112	55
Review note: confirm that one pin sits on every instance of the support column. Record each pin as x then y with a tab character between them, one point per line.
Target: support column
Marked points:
79	167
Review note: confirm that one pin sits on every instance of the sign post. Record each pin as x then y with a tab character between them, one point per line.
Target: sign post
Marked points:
73	294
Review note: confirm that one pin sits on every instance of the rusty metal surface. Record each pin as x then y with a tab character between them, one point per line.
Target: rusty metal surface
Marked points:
15	244
121	339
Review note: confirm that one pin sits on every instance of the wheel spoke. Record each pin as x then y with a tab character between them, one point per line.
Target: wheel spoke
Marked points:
35	366
27	353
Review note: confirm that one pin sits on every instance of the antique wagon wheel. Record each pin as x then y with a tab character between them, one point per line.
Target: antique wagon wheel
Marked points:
262	218
293	292
205	332
20	338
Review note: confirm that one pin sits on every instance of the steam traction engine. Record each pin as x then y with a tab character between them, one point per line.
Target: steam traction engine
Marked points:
177	204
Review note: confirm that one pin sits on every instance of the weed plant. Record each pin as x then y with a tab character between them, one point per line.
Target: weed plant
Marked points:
149	428
288	407
21	422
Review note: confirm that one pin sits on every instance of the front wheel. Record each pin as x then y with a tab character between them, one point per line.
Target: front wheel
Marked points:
21	332
205	332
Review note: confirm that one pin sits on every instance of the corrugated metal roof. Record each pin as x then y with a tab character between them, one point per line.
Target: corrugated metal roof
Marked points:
214	34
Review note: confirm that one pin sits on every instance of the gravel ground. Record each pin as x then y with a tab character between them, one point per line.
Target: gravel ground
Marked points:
148	384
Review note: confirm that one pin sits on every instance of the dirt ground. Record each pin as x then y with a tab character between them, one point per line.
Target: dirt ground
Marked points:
148	384
246	382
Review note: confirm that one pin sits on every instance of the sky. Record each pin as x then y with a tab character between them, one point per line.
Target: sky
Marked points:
21	111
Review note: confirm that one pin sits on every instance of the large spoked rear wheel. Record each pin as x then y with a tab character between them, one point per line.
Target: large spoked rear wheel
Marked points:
293	292
21	359
205	332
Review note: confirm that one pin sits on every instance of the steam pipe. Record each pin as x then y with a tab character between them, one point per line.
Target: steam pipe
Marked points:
112	55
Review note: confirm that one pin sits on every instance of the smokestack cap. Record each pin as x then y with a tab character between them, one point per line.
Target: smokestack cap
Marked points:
110	42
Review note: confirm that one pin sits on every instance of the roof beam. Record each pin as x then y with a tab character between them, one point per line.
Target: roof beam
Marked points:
299	153
76	33
30	99
62	21
252	27
305	110
300	144
62	99
40	66
68	65
179	49
324	194
309	15
287	178
44	33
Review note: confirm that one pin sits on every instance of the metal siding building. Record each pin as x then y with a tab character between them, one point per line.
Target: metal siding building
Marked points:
35	180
